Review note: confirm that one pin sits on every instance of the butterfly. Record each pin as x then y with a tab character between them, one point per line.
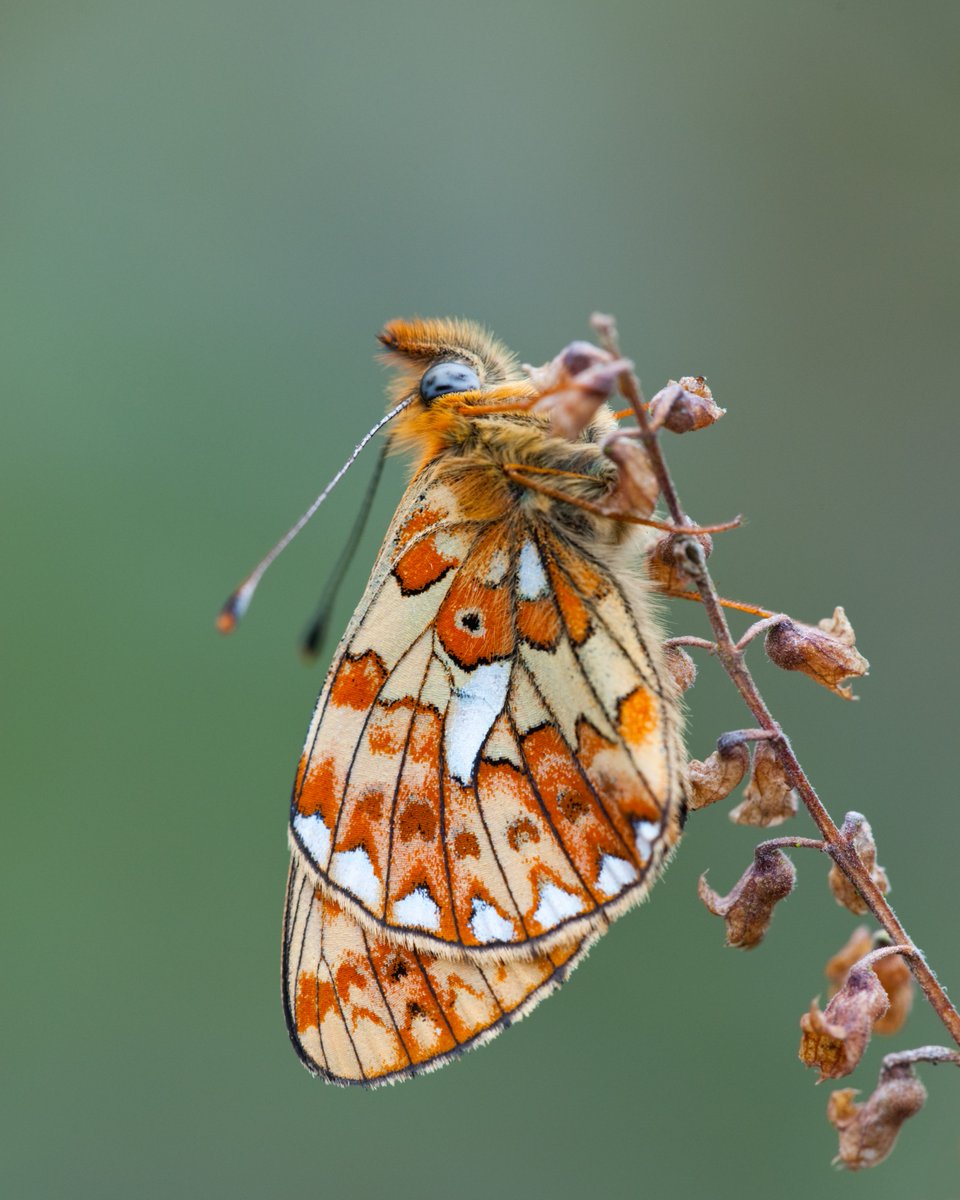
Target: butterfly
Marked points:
494	770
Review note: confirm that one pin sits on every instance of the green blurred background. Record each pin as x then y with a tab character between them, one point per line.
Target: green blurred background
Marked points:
208	210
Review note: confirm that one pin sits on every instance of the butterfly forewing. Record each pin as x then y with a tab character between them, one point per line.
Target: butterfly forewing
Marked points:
363	1009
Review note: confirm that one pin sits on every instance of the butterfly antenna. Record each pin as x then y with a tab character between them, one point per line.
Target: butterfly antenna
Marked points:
312	641
239	600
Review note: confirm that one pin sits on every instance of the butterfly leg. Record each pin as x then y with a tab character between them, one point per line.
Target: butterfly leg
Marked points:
518	472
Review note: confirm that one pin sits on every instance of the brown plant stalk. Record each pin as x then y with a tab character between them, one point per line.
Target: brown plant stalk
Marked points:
731	657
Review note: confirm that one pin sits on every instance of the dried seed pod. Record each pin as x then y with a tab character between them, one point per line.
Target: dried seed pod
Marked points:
666	558
571	361
716	777
856	830
826	652
682	668
574	385
684	406
748	909
637	484
868	1131
834	1040
892	972
768	798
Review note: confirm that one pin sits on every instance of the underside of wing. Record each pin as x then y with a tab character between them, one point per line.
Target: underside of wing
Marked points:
363	1010
494	767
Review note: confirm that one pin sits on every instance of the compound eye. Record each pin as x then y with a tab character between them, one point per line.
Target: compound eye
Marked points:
447	377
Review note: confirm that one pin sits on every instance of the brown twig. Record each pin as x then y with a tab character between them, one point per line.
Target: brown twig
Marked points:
732	659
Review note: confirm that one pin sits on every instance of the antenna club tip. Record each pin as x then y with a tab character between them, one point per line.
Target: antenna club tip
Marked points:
236	605
226	619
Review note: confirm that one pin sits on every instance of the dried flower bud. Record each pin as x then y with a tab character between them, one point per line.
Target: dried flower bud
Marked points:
666	558
684	406
826	652
768	798
682	668
834	1040
716	777
574	385
748	909
637	484
892	972
856	830
560	371
868	1131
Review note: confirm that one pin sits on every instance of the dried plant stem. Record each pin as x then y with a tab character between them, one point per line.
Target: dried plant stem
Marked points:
732	659
925	1054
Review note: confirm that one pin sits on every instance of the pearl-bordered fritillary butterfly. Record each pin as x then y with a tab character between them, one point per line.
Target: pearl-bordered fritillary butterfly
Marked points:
494	770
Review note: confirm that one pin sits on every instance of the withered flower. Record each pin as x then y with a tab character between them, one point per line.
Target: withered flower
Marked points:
574	385
665	562
769	798
684	405
826	652
637	484
834	1040
856	830
571	361
868	1131
716	777
748	909
892	972
682	668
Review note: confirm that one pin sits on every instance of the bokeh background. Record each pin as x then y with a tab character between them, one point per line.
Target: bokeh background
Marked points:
208	209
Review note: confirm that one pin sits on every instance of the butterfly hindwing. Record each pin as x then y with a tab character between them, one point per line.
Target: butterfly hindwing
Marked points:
493	768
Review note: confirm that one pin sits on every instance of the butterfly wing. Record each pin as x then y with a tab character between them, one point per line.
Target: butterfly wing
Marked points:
494	765
362	1009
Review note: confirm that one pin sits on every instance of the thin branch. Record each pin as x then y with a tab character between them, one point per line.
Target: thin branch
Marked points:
731	658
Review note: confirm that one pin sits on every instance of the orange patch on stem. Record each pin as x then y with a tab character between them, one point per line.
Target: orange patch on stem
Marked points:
358	681
422	565
638	717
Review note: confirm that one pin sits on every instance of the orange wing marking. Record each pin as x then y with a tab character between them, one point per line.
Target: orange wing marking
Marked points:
361	1009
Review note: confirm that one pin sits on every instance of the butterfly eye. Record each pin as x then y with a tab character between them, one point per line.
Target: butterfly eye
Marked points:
447	377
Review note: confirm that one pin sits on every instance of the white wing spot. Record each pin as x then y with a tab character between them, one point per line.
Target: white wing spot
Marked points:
487	925
555	905
470	717
417	908
531	580
314	835
353	870
615	874
645	832
497	569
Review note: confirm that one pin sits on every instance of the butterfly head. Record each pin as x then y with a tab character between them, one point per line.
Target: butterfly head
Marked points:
434	358
449	370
